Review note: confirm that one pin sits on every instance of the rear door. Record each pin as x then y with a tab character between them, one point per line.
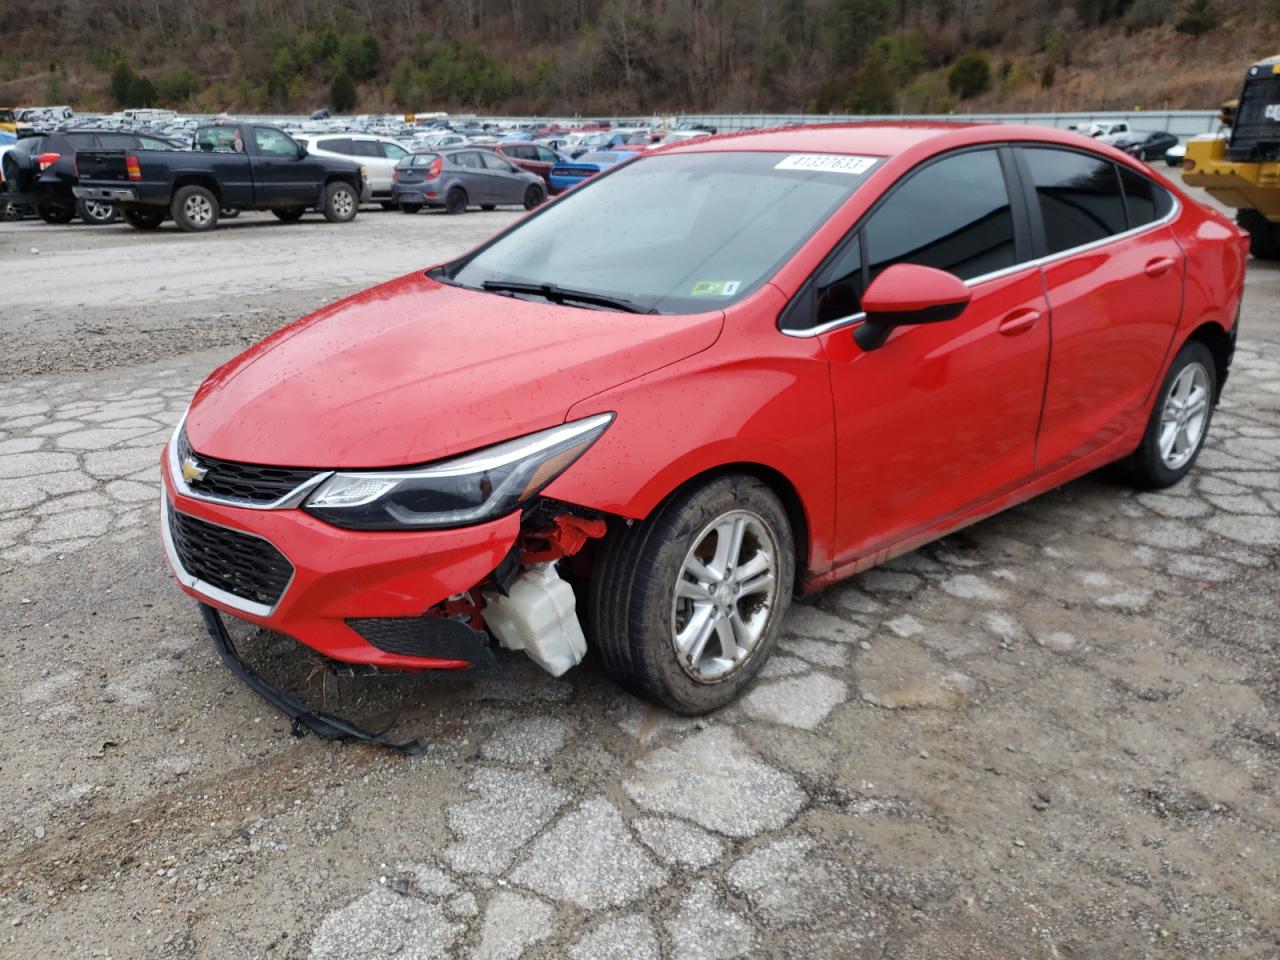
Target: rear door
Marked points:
1113	276
472	174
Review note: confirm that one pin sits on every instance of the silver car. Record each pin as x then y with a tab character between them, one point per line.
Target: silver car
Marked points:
462	177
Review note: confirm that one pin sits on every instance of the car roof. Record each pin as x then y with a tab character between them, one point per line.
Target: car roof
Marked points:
878	139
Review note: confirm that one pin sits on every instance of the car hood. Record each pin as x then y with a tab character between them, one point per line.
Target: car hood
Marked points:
413	370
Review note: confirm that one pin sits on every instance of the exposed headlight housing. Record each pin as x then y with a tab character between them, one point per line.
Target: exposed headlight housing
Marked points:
469	489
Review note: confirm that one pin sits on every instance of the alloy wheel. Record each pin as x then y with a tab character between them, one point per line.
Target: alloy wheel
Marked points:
725	593
198	210
1185	414
343	203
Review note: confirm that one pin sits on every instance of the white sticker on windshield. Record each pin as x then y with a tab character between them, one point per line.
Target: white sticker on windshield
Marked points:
826	163
715	288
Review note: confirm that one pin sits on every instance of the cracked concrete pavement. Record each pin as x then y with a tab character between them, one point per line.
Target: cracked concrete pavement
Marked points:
1055	734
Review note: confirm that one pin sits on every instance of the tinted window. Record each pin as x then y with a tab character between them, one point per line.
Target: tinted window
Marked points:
954	215
1147	202
84	141
336	145
366	148
1079	197
838	287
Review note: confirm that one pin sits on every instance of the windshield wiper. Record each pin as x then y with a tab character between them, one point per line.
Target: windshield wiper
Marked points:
558	294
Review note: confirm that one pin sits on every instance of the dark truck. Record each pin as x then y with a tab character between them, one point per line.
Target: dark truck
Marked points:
250	166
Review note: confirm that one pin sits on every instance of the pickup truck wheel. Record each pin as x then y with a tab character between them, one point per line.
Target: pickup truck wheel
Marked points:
534	196
52	214
686	606
142	217
340	203
96	213
289	214
455	201
195	209
410	207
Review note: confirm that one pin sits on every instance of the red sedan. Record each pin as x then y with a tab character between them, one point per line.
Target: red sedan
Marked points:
638	420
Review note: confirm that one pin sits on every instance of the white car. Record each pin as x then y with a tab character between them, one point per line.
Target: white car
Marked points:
378	154
1101	129
438	141
678	136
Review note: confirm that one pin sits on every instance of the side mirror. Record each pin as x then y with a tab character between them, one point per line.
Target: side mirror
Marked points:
907	293
302	150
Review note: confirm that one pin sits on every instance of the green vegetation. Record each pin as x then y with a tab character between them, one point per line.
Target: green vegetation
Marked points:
590	56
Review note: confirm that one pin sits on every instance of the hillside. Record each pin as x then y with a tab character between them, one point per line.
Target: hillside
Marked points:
615	56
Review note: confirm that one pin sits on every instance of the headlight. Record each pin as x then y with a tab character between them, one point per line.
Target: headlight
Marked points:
468	489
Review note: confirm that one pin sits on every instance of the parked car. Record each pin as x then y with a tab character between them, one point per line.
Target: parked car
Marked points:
41	172
1101	128
533	157
570	173
437	141
1174	156
837	348
678	136
460	177
1146	146
606	140
249	166
378	156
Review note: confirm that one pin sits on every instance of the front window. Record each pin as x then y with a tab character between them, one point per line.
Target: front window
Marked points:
683	233
274	143
219	140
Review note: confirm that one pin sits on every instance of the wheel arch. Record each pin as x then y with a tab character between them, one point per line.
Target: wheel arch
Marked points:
198	180
1221	344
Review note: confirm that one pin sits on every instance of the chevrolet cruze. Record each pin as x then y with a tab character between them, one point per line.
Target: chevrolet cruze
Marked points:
635	423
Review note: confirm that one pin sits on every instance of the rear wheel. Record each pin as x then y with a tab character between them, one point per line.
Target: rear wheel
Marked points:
455	201
11	211
289	214
55	214
1264	236
686	606
410	207
142	217
1179	420
340	203
95	212
195	209
533	196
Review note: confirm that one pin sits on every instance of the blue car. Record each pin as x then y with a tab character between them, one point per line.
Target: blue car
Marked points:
570	173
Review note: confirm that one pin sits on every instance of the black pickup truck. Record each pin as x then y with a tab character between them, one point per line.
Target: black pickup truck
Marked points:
252	166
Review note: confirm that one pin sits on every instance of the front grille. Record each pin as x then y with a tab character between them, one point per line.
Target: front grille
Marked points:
243	565
242	482
439	637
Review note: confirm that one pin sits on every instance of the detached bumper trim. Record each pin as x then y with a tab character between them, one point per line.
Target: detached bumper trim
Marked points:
106	194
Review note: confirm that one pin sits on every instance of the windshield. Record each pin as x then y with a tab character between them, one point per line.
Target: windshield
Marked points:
682	233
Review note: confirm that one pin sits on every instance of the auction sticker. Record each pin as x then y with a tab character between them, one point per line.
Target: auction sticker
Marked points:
716	288
827	163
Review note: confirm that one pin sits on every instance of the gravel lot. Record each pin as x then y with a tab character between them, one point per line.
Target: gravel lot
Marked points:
1056	734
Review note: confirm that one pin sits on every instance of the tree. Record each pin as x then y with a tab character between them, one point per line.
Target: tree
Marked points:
342	94
1199	17
142	92
970	75
873	89
853	25
121	80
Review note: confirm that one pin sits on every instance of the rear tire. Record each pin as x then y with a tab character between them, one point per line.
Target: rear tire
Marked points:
142	217
1179	421
96	213
289	214
340	203
1264	236
637	617
195	209
58	215
410	207
534	196
455	201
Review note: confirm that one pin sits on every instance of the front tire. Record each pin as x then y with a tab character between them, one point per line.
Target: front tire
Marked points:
410	207
534	196
142	217
685	607
1179	420
96	213
340	203
195	209
455	201
55	214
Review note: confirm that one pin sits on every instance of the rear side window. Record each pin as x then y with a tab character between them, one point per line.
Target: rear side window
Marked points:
336	145
467	159
1079	196
366	148
1146	201
953	215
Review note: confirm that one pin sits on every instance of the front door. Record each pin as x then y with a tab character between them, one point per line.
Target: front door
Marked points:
943	417
280	176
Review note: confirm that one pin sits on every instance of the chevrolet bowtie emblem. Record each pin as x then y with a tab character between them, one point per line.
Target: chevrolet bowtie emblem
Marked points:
192	472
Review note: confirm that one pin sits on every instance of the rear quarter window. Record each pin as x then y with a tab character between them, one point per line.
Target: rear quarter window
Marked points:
1147	201
1079	197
